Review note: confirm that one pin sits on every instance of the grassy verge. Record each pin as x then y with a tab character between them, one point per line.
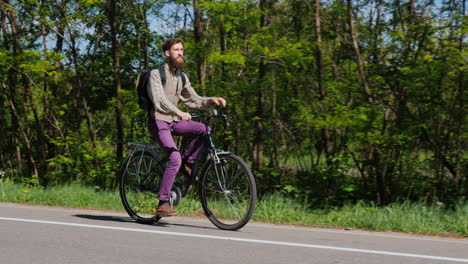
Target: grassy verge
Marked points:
404	217
73	195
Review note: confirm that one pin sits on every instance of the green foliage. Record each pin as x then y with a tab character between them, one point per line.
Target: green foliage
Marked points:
319	186
300	102
84	163
229	58
91	3
34	63
5	61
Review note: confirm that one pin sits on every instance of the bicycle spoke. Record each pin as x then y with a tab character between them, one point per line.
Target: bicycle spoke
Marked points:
228	193
232	206
139	186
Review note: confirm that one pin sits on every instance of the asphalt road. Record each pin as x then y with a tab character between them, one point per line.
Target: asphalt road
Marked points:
49	235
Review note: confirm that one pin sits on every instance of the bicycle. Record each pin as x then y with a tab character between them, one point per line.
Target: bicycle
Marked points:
226	185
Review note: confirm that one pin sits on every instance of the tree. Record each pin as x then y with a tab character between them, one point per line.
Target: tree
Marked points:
114	26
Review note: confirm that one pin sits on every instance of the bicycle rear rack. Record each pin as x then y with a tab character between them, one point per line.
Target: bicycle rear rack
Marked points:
142	145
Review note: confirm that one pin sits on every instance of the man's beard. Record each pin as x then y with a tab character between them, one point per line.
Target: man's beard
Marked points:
177	63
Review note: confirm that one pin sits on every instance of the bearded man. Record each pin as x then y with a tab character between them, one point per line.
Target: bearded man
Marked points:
166	119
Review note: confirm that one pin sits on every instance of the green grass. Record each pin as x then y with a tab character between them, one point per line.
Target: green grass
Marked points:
404	217
73	195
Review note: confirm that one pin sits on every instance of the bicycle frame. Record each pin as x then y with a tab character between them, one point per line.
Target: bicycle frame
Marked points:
209	147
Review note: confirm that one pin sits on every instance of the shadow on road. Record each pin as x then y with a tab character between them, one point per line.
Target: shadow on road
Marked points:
105	218
121	219
166	224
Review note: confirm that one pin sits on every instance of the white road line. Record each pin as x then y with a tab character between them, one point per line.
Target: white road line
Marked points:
359	232
352	231
271	242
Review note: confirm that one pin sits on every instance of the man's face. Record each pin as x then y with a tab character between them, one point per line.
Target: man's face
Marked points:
176	55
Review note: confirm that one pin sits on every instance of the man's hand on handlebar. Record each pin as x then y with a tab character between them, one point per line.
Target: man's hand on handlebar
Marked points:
218	101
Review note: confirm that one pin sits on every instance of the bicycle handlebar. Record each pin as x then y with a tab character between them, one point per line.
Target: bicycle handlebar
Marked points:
197	115
209	116
213	115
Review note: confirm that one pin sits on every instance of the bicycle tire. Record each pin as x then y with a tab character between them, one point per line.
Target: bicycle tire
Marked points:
229	200
140	176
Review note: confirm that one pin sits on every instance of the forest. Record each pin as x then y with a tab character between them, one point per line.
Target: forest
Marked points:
329	101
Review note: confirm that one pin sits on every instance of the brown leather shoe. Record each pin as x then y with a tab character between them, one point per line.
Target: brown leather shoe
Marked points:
165	210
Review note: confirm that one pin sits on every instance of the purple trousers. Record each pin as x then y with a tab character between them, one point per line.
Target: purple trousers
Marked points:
163	131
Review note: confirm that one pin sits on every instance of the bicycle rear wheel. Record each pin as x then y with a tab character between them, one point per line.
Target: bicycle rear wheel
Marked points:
139	185
228	192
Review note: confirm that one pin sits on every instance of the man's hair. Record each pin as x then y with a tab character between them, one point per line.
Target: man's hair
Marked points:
171	42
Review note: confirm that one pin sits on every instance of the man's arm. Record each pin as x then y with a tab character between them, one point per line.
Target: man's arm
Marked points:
193	100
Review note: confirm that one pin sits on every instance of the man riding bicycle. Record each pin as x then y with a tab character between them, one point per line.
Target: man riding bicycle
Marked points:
167	119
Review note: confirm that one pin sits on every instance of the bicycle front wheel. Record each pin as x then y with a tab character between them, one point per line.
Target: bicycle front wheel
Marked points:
139	185
228	192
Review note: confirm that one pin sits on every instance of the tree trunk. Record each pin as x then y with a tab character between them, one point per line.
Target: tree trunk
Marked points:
326	138
146	36
27	140
17	50
360	64
59	43
12	90
198	34
461	82
222	44
258	133
258	144
80	94
117	85
375	42
274	163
